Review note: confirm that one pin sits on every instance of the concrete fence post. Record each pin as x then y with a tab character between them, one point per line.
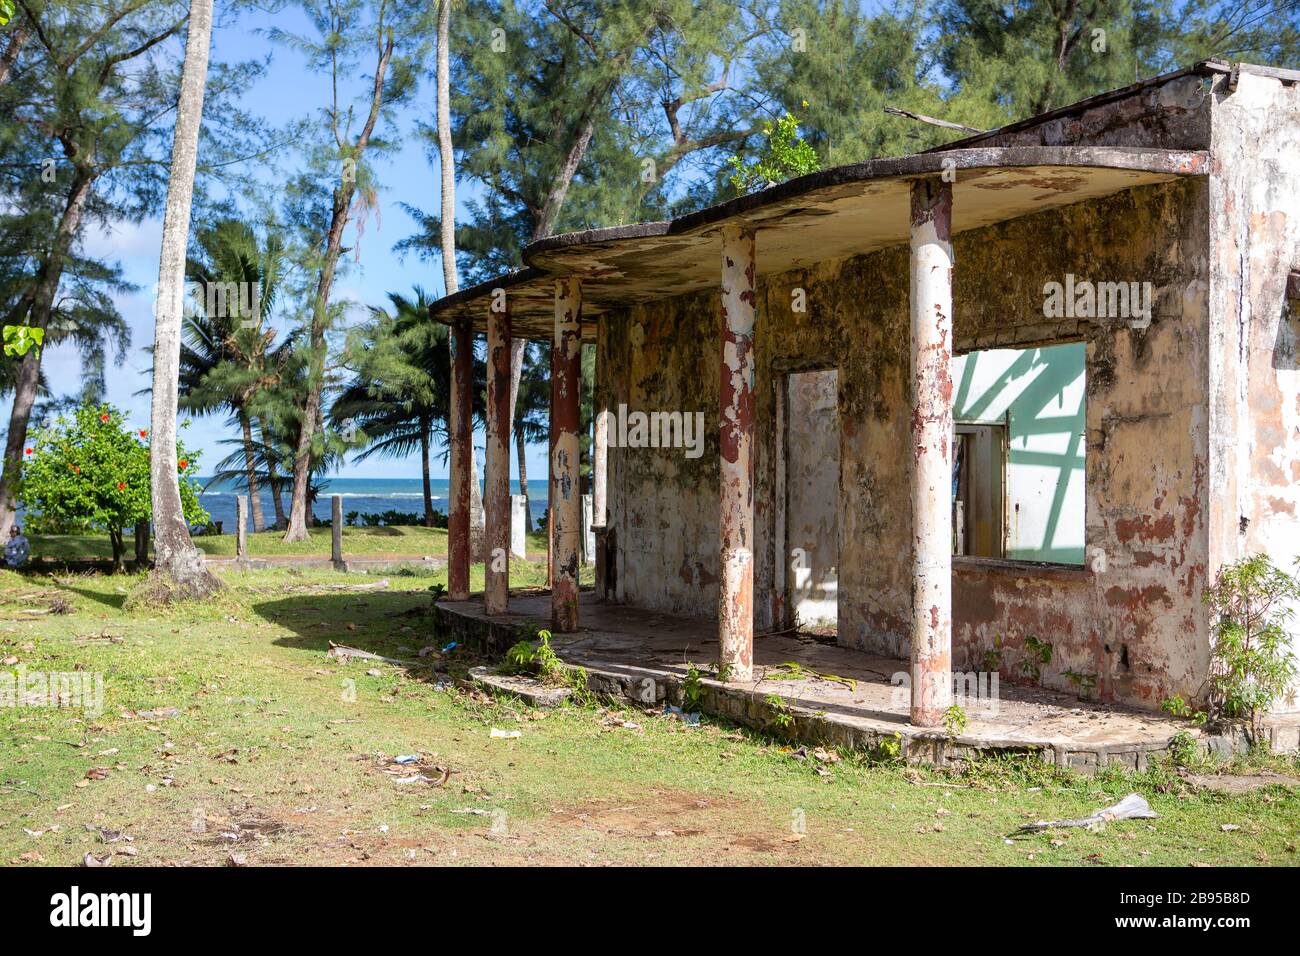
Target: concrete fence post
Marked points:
241	527
336	532
518	526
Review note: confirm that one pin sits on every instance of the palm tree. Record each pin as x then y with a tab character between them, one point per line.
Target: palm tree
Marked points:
226	358
399	396
178	564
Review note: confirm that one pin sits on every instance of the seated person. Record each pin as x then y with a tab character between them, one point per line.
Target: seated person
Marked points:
17	548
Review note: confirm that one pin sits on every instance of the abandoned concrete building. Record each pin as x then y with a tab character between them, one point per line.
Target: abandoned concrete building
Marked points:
1031	388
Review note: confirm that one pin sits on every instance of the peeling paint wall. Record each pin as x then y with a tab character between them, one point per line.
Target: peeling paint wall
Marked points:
663	504
812	479
1255	374
1192	422
1133	620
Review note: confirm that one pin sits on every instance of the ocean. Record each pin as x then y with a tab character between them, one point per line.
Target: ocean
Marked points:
363	495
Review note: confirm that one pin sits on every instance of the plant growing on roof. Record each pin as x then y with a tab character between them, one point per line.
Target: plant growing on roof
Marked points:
785	156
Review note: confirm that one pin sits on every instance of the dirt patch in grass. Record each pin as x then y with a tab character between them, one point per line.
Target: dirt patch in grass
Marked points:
676	814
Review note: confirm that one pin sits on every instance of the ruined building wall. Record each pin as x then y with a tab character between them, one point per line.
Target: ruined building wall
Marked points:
1131	618
1255	373
663	504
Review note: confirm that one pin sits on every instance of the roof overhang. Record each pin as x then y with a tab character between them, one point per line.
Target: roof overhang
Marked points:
827	215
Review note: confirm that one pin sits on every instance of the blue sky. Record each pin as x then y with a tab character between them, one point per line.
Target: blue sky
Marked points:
288	91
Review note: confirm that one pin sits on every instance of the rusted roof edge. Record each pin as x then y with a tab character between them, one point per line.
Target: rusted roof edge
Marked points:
1174	162
1210	67
470	293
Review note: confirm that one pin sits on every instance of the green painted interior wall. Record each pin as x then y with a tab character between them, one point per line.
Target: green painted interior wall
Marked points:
1038	394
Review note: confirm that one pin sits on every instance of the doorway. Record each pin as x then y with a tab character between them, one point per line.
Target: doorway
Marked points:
810	425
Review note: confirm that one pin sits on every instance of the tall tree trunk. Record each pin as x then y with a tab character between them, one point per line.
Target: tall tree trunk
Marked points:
119	549
141	545
424	465
311	413
447	172
273	478
520	446
17	40
38	301
250	472
297	530
446	159
178	570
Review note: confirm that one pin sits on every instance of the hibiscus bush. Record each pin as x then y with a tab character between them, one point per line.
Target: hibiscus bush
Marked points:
93	469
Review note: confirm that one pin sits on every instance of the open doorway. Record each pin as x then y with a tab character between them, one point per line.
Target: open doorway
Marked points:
811	478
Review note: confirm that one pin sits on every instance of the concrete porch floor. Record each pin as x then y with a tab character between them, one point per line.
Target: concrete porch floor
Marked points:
644	656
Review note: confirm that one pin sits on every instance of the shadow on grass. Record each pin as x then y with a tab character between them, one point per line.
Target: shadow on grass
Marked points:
114	600
390	623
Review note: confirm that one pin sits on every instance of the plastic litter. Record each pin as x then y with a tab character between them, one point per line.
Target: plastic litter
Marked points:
1132	807
690	720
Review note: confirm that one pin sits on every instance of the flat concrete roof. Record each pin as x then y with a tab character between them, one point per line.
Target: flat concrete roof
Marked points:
826	215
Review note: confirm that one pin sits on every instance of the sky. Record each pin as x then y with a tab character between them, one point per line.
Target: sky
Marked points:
288	90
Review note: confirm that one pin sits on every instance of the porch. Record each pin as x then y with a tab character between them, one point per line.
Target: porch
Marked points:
644	656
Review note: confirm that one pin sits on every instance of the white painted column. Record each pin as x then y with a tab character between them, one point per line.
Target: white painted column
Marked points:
931	451
736	465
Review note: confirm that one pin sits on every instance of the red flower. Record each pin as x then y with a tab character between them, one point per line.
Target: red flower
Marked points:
182	463
143	433
29	451
77	469
104	417
121	485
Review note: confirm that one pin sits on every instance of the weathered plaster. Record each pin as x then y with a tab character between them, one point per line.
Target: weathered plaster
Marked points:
1254	409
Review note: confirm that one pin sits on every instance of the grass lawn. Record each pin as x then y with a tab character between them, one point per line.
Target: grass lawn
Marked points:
380	542
278	754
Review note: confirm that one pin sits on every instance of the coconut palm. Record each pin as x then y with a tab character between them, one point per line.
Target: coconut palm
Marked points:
227	361
179	565
398	399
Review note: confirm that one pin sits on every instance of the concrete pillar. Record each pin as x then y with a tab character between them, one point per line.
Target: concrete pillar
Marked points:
241	526
518	526
496	480
599	488
336	531
565	524
600	467
458	514
588	532
931	473
736	439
